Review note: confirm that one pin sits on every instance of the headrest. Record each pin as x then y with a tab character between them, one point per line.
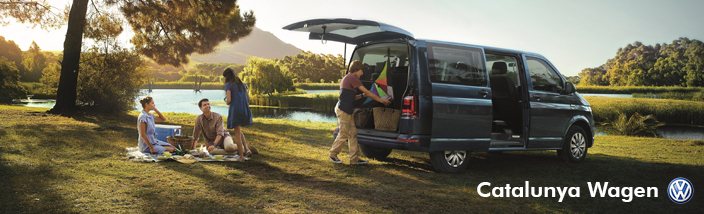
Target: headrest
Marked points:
462	67
379	67
499	68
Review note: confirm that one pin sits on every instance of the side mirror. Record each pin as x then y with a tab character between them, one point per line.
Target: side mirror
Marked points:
569	88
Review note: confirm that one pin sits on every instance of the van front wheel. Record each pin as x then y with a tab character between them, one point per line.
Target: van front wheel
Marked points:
374	152
449	161
574	149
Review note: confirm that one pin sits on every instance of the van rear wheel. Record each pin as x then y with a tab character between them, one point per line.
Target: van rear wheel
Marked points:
449	161
374	152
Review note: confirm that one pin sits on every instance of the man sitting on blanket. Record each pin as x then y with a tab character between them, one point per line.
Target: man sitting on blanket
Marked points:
217	140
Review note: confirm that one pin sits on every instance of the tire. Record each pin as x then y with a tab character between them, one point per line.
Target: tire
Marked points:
449	161
574	149
374	152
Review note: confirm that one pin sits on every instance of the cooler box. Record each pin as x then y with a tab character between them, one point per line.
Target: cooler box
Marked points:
163	131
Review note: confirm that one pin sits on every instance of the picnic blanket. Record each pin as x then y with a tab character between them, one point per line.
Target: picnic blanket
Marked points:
135	155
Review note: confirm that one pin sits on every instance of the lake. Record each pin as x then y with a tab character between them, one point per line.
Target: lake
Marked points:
186	101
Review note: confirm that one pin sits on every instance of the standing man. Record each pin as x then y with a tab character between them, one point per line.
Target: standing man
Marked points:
218	141
344	109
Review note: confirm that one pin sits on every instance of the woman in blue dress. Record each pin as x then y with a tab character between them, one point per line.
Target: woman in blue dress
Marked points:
147	133
239	113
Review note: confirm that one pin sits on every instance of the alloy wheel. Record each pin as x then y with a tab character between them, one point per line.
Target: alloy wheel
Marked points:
577	145
455	158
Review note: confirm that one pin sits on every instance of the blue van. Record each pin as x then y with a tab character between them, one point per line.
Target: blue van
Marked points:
461	98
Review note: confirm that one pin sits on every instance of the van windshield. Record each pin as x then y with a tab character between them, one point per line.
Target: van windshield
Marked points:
376	57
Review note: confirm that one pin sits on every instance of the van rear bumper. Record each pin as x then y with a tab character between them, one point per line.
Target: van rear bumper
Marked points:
417	143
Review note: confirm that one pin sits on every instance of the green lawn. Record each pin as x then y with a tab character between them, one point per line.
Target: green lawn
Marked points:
54	164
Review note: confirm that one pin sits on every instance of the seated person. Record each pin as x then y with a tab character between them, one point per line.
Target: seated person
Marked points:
147	134
218	141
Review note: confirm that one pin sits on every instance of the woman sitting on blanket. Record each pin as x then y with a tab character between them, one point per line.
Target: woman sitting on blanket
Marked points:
147	134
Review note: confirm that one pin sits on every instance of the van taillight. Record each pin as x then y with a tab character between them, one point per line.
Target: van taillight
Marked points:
410	106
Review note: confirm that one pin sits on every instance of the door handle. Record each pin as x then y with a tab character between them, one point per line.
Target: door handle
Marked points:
483	93
537	96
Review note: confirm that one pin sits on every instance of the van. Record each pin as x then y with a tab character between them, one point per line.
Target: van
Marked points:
461	98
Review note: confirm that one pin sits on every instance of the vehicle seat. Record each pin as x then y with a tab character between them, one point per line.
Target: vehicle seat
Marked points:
504	96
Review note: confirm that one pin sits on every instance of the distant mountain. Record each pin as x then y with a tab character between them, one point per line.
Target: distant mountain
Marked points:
259	43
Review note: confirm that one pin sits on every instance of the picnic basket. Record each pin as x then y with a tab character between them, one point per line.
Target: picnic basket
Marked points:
183	141
386	119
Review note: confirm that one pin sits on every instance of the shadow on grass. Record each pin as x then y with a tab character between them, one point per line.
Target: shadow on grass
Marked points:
29	172
295	181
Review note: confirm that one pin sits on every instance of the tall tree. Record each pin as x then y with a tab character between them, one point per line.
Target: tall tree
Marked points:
265	76
308	65
34	62
680	63
165	31
11	51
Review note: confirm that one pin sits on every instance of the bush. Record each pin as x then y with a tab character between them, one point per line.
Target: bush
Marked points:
318	86
637	125
635	89
9	82
671	111
324	102
110	83
107	83
694	96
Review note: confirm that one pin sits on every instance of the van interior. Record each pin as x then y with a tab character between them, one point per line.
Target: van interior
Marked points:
393	56
504	78
507	102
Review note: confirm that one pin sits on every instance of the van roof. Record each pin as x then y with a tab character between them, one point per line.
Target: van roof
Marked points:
486	48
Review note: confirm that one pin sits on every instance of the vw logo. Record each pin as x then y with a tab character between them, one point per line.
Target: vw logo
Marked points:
680	190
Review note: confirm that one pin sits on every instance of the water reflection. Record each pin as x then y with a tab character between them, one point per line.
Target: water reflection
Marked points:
186	101
42	103
681	132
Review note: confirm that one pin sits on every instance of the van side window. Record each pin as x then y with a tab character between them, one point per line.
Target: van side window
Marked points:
456	65
511	67
542	76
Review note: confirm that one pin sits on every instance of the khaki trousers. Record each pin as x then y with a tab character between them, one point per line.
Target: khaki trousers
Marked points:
347	132
230	148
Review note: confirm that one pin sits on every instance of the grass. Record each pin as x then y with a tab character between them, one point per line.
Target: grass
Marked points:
318	86
54	164
324	101
636	89
694	96
670	111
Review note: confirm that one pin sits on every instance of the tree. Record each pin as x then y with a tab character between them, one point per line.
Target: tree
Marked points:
308	65
11	52
50	77
593	76
266	76
107	83
34	62
9	81
680	63
165	31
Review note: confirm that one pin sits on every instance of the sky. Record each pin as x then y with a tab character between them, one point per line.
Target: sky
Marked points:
572	34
